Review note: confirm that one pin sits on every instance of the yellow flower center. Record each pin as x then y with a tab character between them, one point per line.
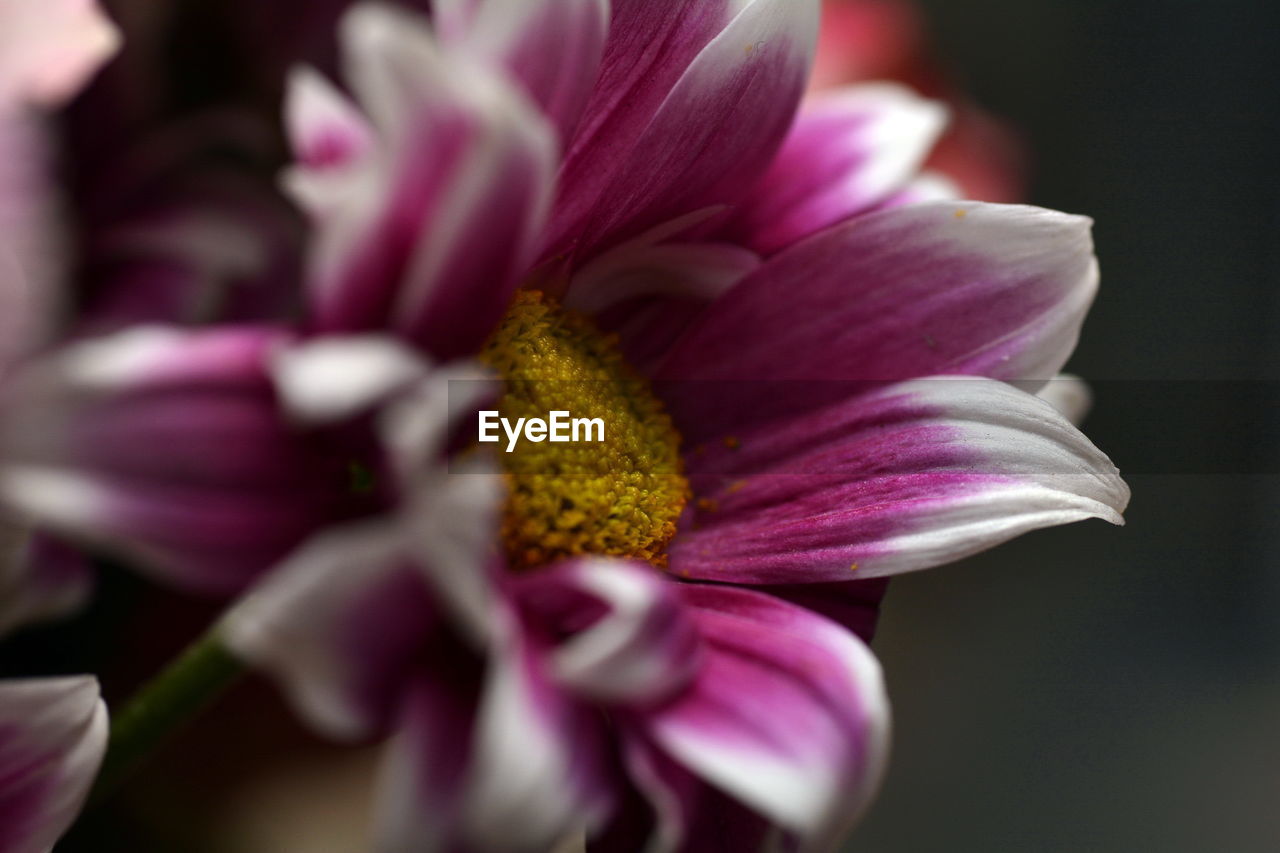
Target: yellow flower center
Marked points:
620	496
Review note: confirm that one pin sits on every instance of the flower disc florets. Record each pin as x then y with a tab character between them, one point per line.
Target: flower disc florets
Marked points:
619	496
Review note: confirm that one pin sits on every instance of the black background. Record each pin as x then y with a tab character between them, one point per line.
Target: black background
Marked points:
1102	689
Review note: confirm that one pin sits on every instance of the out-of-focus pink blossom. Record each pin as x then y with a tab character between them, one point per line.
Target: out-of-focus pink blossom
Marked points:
876	40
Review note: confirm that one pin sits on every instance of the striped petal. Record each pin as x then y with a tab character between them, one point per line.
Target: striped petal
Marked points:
551	47
913	475
947	287
630	638
847	152
53	733
692	102
405	236
503	762
788	716
171	447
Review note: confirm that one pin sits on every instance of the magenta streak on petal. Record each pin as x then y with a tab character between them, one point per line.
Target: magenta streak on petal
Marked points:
475	284
808	499
950	287
787	713
650	44
846	152
24	789
361	293
716	131
381	641
621	634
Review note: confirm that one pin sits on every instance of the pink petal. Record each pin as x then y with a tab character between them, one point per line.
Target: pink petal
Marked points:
171	447
788	714
340	625
428	236
911	476
630	638
507	764
682	812
648	294
53	733
948	287
326	129
49	49
552	47
690	107
848	151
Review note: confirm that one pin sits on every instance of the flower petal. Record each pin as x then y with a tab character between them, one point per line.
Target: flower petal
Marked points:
788	714
652	147
848	151
914	475
1070	395
53	733
334	378
465	164
552	47
630	639
947	287
171	447
509	764
648	294
48	50
339	624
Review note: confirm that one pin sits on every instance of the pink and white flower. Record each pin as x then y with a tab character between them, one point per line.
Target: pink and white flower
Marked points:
834	354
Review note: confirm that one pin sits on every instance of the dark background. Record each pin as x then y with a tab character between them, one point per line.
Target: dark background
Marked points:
1092	688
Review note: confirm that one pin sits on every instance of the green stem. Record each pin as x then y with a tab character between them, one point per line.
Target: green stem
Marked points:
162	706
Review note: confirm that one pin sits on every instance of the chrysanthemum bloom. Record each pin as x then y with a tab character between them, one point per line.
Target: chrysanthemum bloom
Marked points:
773	390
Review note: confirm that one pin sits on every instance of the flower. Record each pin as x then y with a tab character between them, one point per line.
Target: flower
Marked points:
803	370
53	732
827	439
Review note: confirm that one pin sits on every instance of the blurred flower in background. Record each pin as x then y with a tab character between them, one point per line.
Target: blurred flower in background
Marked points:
864	40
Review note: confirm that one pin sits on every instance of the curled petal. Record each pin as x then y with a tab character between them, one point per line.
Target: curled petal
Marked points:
631	641
948	287
340	624
913	475
788	714
552	47
506	763
405	238
652	147
53	733
170	446
847	152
